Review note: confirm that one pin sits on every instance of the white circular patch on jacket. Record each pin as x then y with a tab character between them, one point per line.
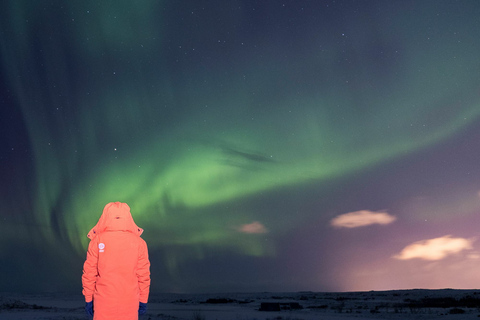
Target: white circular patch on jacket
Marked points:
101	246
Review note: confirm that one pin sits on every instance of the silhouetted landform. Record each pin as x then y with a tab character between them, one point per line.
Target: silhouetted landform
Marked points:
278	306
394	305
220	300
10	304
444	302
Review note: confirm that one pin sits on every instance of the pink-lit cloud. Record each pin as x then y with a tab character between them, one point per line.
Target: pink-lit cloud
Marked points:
362	218
435	249
253	228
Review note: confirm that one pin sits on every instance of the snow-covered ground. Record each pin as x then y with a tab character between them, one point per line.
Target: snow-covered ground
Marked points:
403	304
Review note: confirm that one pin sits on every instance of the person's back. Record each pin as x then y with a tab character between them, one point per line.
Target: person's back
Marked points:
116	273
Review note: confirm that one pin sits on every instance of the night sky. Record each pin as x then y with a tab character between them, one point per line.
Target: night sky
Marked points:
262	145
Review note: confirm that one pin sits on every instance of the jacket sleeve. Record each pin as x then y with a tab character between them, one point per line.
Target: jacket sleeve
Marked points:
90	271
143	272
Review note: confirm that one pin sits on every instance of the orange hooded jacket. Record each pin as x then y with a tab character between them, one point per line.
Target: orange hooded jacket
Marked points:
116	273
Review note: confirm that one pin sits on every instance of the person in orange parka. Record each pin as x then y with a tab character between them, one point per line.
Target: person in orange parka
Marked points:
116	273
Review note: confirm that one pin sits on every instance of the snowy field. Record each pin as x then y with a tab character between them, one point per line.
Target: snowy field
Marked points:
404	304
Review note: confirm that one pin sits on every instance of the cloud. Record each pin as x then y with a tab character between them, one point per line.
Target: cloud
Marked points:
253	228
361	218
434	249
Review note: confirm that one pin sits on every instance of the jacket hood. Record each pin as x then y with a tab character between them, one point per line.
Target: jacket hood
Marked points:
116	216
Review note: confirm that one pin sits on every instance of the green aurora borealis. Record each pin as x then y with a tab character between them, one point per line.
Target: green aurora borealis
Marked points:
208	116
